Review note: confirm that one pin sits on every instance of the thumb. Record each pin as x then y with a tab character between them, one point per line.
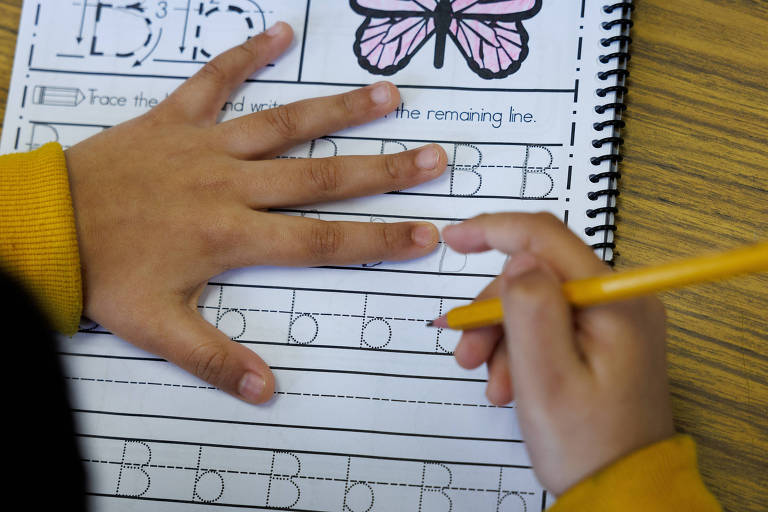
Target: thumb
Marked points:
200	348
539	329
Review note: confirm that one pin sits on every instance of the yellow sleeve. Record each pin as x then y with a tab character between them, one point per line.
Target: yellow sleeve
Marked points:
662	477
38	238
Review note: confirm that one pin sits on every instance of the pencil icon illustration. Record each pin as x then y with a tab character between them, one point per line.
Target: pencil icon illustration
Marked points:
57	96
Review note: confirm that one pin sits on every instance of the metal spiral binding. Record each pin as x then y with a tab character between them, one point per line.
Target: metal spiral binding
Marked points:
617	53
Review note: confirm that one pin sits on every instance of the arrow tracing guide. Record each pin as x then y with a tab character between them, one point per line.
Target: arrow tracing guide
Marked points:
165	31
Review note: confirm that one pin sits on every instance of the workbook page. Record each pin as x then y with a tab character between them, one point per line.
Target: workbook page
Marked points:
371	411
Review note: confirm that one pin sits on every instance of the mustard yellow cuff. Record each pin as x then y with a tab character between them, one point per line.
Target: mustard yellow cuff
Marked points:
662	477
38	239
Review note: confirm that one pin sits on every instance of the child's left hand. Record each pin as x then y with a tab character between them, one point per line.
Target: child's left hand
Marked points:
170	199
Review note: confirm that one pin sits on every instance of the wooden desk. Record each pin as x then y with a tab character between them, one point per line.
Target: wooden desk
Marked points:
695	179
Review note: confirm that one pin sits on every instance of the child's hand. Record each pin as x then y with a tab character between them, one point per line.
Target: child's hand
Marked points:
590	385
170	199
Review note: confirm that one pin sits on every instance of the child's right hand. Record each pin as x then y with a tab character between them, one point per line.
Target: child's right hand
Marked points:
590	385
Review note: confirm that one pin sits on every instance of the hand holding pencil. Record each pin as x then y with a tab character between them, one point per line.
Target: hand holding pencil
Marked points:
590	385
633	283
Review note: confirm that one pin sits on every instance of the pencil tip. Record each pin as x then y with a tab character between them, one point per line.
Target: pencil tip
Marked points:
439	323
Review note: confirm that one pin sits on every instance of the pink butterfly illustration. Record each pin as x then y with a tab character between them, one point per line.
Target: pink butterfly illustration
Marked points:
488	33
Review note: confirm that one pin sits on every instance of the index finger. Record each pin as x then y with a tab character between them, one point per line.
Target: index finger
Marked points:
542	234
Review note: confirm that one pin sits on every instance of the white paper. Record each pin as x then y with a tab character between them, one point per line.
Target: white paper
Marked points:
371	412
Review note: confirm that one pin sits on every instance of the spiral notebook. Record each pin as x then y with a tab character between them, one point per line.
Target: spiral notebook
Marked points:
371	411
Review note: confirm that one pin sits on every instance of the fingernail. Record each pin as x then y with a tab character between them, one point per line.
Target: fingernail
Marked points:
427	158
520	263
381	94
423	235
276	29
251	386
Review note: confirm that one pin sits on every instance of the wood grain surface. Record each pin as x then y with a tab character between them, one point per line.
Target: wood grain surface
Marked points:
10	10
695	179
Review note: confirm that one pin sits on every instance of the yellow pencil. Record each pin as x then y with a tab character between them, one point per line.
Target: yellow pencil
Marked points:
623	285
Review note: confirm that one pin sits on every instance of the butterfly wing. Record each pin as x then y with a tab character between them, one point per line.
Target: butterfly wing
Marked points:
490	34
396	8
501	10
393	31
385	45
